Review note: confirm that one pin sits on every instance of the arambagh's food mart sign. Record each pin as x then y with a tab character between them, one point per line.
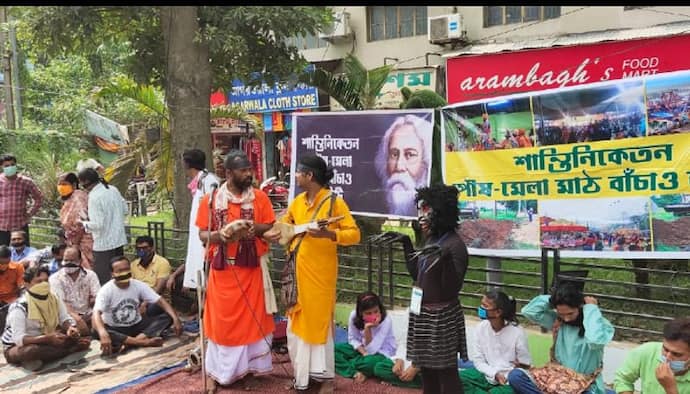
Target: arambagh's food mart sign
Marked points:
480	76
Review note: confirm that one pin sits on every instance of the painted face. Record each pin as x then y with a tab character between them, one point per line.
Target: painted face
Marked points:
424	212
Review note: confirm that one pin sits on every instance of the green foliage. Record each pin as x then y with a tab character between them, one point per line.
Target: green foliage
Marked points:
242	40
42	156
357	89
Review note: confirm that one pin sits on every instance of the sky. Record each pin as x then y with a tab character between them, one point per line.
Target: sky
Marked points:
594	211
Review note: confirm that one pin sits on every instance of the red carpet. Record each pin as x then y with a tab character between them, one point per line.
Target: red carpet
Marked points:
183	382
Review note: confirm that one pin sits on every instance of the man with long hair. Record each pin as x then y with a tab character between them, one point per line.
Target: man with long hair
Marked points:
436	330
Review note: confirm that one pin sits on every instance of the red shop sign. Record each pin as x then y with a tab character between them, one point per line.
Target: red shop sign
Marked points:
480	76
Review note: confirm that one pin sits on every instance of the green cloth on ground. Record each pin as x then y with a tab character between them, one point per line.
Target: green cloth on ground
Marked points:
474	382
384	371
349	361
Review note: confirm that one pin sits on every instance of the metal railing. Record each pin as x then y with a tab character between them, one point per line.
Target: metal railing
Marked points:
637	297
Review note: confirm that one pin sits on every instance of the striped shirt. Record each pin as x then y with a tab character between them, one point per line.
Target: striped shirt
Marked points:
107	210
14	195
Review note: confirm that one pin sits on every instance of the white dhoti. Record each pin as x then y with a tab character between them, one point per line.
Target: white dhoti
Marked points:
310	360
228	364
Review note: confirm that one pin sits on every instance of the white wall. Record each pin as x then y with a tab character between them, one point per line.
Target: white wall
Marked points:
575	19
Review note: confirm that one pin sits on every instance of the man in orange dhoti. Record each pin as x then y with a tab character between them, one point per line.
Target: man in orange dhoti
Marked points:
237	318
310	330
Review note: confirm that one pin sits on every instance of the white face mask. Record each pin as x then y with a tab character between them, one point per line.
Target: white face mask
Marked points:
71	270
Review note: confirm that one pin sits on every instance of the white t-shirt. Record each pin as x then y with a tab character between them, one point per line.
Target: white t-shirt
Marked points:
493	352
120	307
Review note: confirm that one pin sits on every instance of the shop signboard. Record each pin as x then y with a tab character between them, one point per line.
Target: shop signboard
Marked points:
474	77
279	97
390	96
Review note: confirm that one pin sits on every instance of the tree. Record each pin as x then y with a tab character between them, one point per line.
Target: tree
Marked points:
186	50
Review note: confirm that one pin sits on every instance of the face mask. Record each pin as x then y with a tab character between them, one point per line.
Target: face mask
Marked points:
65	190
71	270
10	171
481	312
370	318
142	253
70	267
123	277
676	365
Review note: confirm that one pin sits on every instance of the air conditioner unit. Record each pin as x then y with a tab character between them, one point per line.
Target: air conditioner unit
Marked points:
339	30
444	29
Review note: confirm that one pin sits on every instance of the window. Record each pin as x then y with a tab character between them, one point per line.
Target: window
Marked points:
505	15
388	22
309	41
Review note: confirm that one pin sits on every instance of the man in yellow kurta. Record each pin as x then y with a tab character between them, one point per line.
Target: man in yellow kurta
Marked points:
310	331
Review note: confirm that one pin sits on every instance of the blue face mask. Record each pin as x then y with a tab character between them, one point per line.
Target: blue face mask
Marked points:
10	170
142	253
481	312
676	365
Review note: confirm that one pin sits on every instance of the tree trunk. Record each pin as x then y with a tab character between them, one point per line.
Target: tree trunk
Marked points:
187	92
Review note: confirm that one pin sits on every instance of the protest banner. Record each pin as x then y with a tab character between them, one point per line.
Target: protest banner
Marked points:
602	168
379	157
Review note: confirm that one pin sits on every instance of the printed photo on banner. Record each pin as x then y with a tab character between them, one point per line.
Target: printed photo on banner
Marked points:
599	113
379	157
512	224
606	169
668	100
498	124
598	224
670	222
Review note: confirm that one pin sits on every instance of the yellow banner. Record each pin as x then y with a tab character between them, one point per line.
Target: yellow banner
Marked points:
617	168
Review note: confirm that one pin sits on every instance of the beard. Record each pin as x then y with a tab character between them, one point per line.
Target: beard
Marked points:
243	184
400	194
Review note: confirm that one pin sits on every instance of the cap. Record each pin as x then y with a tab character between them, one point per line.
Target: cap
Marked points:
236	160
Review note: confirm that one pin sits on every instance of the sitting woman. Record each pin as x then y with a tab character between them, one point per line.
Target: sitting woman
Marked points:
370	340
499	346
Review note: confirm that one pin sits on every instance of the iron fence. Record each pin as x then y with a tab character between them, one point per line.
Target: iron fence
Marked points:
638	297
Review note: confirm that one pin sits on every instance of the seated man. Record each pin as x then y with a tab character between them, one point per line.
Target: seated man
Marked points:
116	316
11	282
11	277
57	252
152	269
662	367
39	329
19	249
77	288
51	255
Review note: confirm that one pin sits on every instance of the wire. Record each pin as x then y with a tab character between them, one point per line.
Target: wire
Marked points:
328	43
